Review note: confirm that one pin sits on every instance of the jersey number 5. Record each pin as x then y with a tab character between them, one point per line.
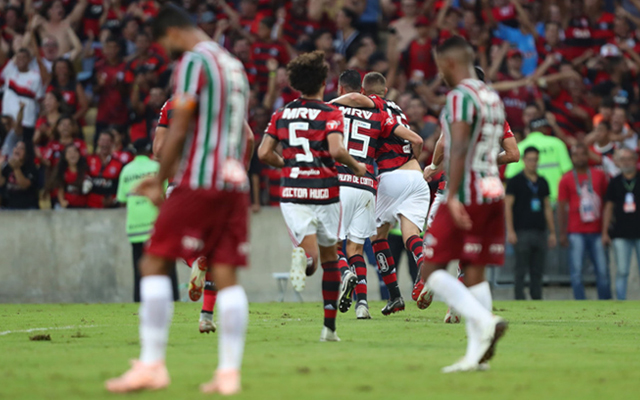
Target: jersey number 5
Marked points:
295	140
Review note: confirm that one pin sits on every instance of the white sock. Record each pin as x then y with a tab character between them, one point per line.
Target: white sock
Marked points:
482	292
457	296
156	310
233	316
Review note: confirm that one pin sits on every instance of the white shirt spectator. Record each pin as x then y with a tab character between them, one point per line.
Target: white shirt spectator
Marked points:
25	87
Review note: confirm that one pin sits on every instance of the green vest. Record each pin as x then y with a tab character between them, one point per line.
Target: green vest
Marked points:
141	213
554	160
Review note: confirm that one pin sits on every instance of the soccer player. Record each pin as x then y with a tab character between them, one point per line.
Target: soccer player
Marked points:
207	211
403	195
200	280
510	154
311	133
363	128
470	224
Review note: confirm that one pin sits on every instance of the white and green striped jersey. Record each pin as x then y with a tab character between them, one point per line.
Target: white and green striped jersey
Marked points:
473	102
216	145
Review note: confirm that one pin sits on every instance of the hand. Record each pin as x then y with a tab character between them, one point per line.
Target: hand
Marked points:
64	203
272	65
459	214
429	173
551	119
361	170
255	208
223	25
152	189
551	241
606	239
564	240
512	238
22	105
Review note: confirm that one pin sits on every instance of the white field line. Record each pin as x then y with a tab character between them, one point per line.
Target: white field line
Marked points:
49	329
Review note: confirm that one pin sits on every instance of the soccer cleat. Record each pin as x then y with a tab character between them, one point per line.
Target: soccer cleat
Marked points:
362	310
141	376
297	274
207	326
198	275
327	335
417	288
464	365
348	284
490	336
225	382
425	298
452	317
393	306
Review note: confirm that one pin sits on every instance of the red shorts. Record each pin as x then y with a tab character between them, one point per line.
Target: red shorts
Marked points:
208	223
482	245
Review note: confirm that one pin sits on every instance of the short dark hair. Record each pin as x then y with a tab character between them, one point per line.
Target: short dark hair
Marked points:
350	80
531	149
170	16
112	39
24	50
374	83
269	22
351	15
111	136
606	124
308	72
453	43
608	102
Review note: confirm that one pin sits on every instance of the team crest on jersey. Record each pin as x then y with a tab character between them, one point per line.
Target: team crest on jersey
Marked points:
112	170
333	124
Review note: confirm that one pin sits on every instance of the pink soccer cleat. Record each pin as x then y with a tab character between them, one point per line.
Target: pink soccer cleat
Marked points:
198	275
225	382
141	376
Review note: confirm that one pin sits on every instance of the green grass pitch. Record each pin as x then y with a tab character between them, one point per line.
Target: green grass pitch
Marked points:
553	350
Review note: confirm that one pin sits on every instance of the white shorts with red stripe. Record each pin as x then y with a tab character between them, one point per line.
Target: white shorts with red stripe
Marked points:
358	214
303	220
402	192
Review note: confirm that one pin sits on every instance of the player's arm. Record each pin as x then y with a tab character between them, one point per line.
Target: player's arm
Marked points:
548	215
267	152
436	161
355	100
158	140
460	136
407	134
511	152
509	200
341	154
607	216
562	222
250	142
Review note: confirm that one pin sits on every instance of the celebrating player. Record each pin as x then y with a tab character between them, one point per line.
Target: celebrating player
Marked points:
311	133
206	213
402	193
509	155
200	280
470	225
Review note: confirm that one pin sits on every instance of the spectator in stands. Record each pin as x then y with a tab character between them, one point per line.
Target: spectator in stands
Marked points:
13	131
347	36
130	28
63	79
70	176
265	48
145	110
404	28
529	216
554	159
621	220
104	171
18	177
122	149
51	113
602	149
521	37
621	132
418	58
57	24
145	58
110	87
580	202
65	133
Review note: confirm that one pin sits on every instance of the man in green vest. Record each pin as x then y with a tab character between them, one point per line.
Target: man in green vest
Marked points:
554	160
141	213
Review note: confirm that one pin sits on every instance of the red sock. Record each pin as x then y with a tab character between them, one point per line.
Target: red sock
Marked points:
210	295
386	266
357	262
343	265
330	293
414	245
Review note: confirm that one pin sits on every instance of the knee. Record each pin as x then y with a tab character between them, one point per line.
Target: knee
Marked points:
152	265
224	276
354	248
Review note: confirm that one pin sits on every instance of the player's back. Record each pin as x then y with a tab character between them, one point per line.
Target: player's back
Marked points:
216	81
393	152
364	128
473	102
309	175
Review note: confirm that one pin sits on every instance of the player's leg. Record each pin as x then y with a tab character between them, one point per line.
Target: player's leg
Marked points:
387	269
233	316
156	310
302	224
208	304
357	263
348	280
199	267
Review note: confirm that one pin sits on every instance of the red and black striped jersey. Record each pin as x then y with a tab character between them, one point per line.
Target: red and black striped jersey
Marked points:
393	152
261	52
165	114
363	129
309	175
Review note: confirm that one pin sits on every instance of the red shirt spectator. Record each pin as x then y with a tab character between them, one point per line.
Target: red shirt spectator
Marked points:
104	171
109	72
145	114
263	49
63	80
70	177
418	57
65	133
146	60
592	185
516	100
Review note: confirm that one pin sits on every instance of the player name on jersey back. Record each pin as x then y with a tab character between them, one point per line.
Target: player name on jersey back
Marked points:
309	175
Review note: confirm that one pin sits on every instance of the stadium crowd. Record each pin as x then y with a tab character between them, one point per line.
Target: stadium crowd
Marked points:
82	81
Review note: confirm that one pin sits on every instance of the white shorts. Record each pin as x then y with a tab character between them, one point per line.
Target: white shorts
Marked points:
303	220
439	199
358	214
402	192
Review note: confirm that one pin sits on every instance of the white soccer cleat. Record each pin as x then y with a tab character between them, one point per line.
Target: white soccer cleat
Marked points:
452	317
491	333
197	279
362	310
327	335
297	274
207	326
464	365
